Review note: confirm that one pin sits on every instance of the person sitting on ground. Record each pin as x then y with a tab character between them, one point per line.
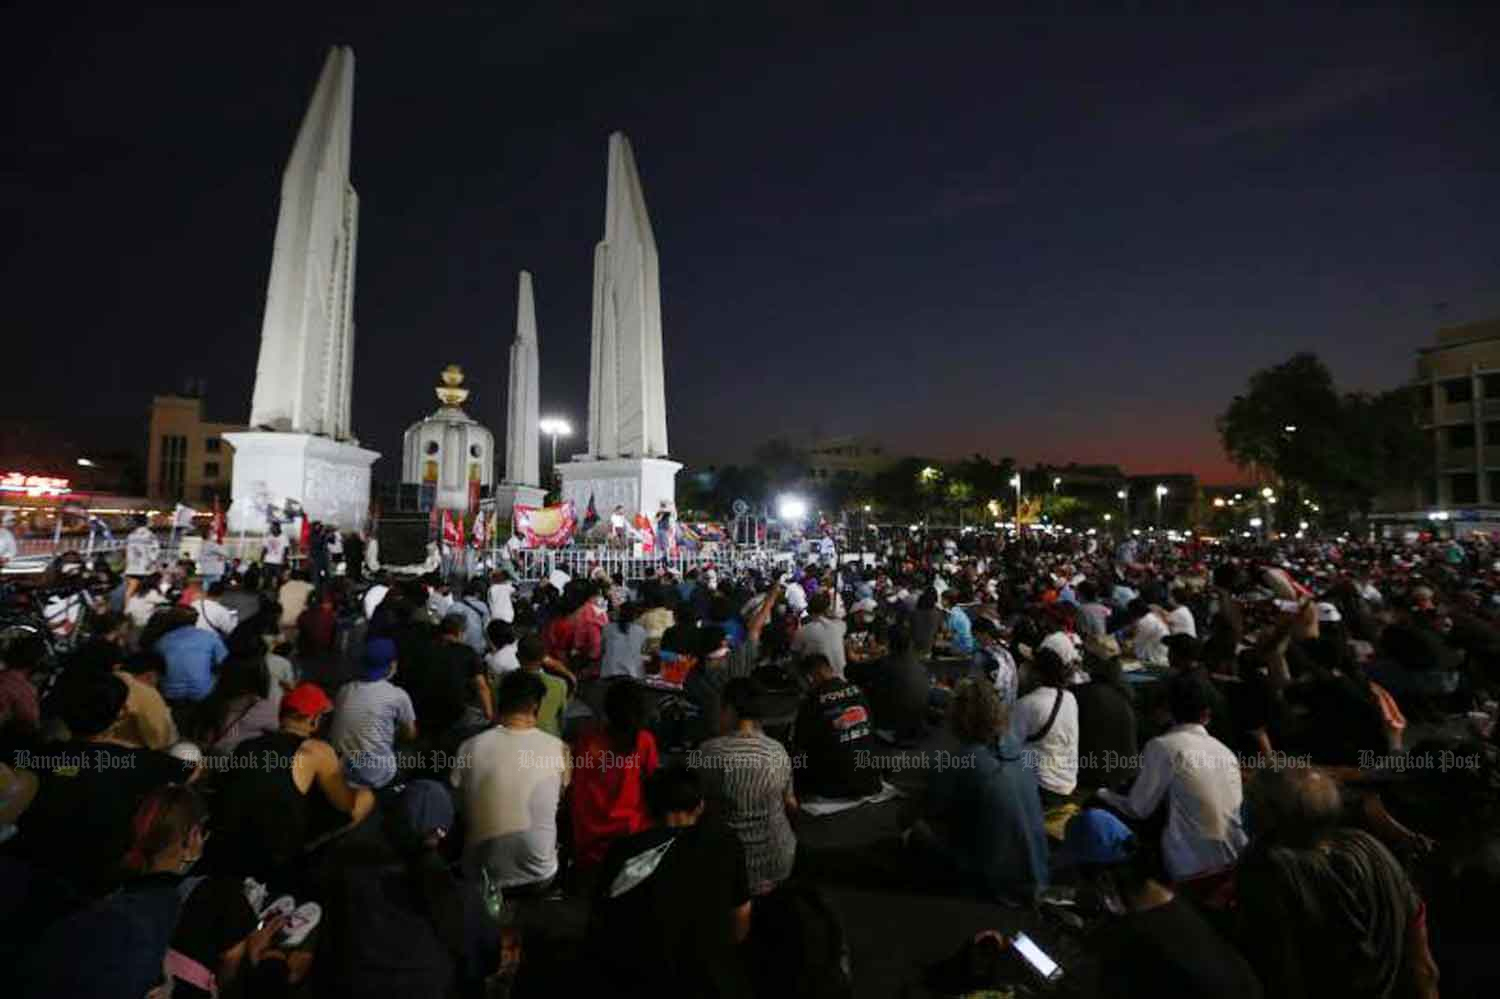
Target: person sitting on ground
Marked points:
1046	723
193	657
1199	777
144	601
476	613
1155	943
241	595
983	815
672	902
614	759
823	633
502	640
239	708
213	615
78	827
128	932
748	782
370	713
1325	910
393	921
317	625
1107	743
509	780
589	623
957	625
832	735
1149	631
624	643
898	687
19	703
534	661
263	819
450	691
293	596
926	622
1092	614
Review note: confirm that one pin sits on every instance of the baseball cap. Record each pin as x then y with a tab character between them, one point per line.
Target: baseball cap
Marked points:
425	806
379	654
1095	836
307	700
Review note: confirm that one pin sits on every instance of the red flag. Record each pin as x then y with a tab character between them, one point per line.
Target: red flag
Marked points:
453	529
218	522
305	541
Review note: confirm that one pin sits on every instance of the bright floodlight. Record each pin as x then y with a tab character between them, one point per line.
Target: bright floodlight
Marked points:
791	508
86	463
1255	521
1290	428
554	426
1161	490
1120	494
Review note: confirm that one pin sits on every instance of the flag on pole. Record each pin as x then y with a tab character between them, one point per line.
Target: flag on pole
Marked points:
182	516
481	529
304	540
453	529
218	522
590	515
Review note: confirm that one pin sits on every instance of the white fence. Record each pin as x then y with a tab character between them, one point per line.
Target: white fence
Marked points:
539	563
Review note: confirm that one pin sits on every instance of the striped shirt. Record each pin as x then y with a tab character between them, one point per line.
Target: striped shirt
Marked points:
748	776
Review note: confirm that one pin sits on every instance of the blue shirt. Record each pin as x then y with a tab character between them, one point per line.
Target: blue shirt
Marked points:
990	805
962	632
192	656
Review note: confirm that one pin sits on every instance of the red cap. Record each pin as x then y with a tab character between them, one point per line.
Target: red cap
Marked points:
307	700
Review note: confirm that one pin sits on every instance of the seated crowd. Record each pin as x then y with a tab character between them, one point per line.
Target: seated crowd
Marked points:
1248	771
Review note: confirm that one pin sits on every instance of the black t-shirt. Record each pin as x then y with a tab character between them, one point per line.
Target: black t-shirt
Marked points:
444	685
1171	951
665	928
1344	718
833	728
1253	705
78	826
1107	746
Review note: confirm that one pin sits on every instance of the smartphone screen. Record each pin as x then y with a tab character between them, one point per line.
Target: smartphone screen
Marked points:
1043	965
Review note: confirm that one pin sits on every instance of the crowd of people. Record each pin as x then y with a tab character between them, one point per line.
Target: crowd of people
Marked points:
1251	770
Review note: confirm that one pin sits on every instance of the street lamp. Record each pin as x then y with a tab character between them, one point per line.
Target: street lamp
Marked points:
1290	428
1161	491
555	427
1015	480
1056	483
1124	497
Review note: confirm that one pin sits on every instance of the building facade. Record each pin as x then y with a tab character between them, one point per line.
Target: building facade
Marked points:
188	459
1458	405
856	457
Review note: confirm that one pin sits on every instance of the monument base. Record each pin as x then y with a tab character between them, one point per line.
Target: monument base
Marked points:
330	480
639	485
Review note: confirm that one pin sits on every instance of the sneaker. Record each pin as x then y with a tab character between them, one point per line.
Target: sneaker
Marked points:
255	894
283	906
303	920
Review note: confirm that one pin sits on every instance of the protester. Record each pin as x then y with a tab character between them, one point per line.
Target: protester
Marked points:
748	782
614	760
833	734
370	714
1046	723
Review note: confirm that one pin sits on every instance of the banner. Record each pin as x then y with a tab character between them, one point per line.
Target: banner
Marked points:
218	522
453	529
481	532
546	526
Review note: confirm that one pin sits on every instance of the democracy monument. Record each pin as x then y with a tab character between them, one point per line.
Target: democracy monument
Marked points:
301	455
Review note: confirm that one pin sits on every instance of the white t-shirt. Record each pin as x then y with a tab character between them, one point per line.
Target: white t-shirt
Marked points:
501	608
1054	757
503	660
373	596
1149	632
509	782
275	546
214	616
1180	622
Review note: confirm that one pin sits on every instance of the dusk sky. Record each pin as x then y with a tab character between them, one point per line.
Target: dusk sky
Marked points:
1057	240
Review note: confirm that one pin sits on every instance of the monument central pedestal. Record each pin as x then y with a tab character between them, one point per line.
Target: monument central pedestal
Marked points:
640	485
331	480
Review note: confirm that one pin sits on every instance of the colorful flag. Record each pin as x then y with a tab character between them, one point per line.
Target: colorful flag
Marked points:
481	529
453	529
546	526
217	524
590	515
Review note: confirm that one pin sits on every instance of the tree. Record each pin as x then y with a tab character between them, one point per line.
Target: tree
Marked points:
1345	449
